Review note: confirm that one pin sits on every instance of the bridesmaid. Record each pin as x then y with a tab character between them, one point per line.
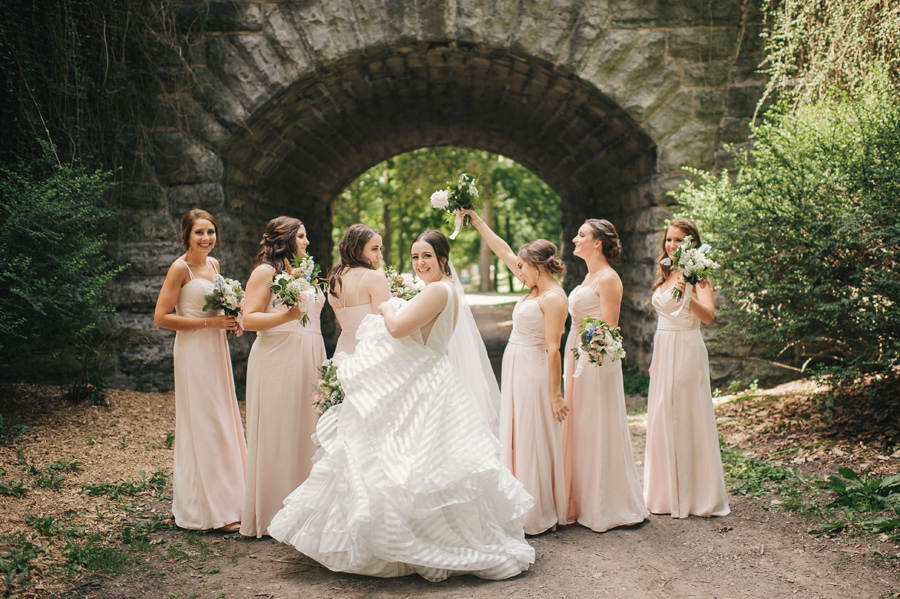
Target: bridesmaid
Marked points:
354	286
602	484
683	468
210	452
281	377
531	403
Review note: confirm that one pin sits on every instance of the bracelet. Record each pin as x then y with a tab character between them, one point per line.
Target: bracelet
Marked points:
205	323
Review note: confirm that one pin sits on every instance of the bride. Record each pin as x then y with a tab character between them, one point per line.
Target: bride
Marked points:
408	478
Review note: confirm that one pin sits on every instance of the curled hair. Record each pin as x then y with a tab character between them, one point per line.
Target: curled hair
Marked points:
187	223
604	232
541	253
352	247
689	228
440	245
279	242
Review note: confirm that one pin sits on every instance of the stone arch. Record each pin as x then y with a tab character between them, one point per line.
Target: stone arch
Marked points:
606	101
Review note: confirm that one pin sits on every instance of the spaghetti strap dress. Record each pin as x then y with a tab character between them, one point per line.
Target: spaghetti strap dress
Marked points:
683	467
602	484
350	317
530	435
210	451
281	376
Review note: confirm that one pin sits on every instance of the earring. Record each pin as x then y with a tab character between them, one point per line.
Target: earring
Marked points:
596	254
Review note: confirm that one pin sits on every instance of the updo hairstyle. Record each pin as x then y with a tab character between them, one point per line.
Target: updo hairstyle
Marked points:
605	232
541	253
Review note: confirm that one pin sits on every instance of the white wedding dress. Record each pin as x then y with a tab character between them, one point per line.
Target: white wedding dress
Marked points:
407	478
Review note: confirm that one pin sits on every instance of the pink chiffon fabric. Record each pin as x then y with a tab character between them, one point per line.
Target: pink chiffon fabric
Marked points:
210	452
530	435
602	484
683	467
281	376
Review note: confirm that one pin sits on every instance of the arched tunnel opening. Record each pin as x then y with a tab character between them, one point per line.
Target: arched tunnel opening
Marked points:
302	148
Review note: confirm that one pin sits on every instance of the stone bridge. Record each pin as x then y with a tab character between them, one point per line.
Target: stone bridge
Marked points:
606	100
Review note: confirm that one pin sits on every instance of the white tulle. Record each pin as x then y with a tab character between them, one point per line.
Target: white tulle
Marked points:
470	360
407	478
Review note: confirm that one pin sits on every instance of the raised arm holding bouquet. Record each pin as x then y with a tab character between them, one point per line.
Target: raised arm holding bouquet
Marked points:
455	199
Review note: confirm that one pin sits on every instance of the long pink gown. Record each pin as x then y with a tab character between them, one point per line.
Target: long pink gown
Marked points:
210	452
281	377
602	484
349	317
683	467
530	435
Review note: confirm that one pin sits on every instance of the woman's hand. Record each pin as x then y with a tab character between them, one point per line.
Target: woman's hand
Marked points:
385	307
560	409
224	322
680	284
296	314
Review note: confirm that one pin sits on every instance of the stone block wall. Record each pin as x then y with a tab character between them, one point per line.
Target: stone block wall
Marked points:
606	100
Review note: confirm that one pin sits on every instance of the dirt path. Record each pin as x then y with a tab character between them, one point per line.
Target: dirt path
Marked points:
751	553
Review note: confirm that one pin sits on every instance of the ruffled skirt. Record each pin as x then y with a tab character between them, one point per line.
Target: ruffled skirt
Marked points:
407	478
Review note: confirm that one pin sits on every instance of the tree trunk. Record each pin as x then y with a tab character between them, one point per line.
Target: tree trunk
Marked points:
485	256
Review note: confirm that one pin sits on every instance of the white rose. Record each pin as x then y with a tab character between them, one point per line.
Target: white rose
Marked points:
440	199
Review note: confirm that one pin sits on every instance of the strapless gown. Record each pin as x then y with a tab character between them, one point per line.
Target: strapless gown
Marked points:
602	484
407	479
683	467
210	452
530	435
281	378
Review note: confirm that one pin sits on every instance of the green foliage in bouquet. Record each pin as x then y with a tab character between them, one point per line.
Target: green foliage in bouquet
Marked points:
54	265
810	229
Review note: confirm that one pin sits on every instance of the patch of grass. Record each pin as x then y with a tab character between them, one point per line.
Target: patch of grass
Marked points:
16	563
50	480
95	554
116	491
12	488
169	442
123	443
10	430
749	476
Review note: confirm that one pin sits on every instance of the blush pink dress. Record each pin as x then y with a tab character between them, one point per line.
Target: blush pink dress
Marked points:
210	452
683	467
349	317
530	435
602	484
281	375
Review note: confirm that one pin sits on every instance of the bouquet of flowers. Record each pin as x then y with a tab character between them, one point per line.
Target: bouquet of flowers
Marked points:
228	296
297	286
694	264
329	391
405	286
461	196
598	343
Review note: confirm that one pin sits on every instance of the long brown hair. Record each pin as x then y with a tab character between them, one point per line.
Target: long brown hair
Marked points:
352	246
279	242
187	223
688	227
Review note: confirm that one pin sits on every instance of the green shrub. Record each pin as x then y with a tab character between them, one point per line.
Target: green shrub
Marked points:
53	266
808	233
